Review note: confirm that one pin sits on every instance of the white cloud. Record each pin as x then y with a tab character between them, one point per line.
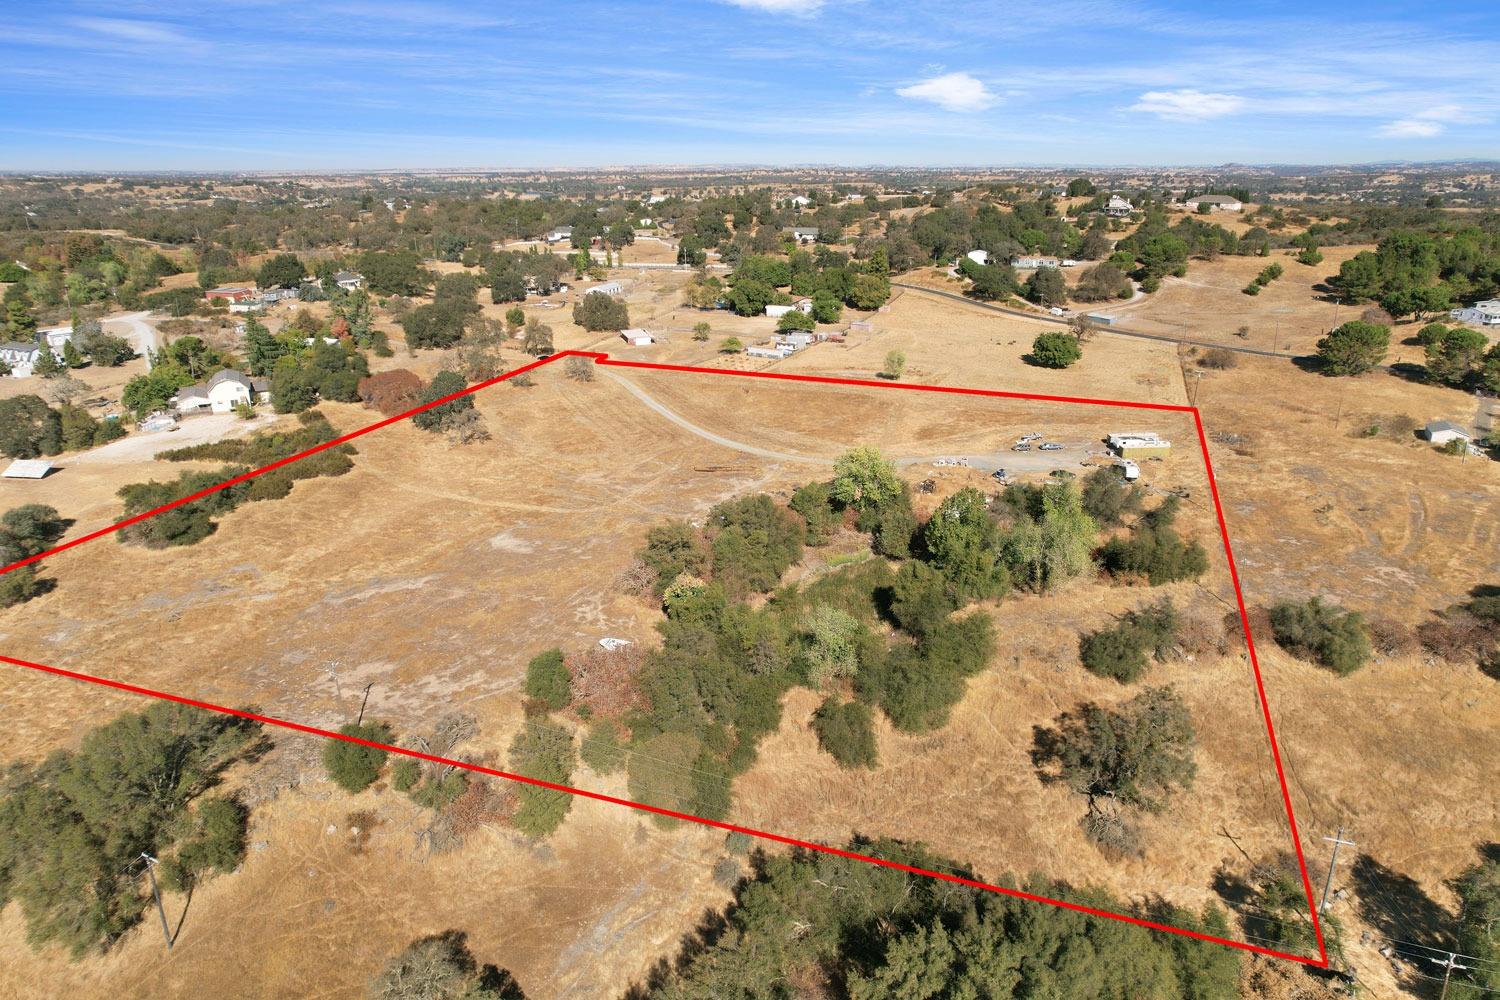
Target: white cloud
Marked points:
952	92
142	32
1187	105
1424	124
797	8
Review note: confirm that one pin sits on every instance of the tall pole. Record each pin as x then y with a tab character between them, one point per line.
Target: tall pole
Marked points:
1449	964
363	703
156	891
1338	842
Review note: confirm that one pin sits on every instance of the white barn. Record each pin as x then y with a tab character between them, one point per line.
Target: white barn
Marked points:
636	337
1442	432
608	288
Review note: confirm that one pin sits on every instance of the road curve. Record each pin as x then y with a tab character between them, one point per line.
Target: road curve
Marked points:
142	336
1111	330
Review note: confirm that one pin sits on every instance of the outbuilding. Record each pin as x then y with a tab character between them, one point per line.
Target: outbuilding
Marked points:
1442	432
607	288
1486	313
1139	444
1215	203
805	234
636	337
28	468
980	257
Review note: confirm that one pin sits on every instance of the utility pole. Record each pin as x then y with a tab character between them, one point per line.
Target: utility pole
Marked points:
1338	842
363	703
1449	964
155	891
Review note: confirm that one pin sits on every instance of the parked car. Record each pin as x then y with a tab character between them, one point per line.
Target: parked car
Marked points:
1020	447
1028	438
999	476
1052	446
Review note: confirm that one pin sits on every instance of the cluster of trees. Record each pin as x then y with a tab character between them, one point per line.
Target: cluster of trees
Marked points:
596	311
510	274
1125	650
73	828
194	521
394	272
893	934
72	270
29	428
830	278
1460	357
26	531
1416	272
456	419
317	371
1154	549
180	363
442	322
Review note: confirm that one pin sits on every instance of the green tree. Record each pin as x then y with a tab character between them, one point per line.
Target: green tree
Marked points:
515	318
864	479
1310	256
895	365
964	543
1054	350
544	751
1456	354
262	350
29	428
71	357
993	281
441	967
1122	652
1137	756
847	732
1323	633
1354	348
548	679
1046	287
19	323
832	644
595	312
538	339
701	331
439	418
813	503
47	364
284	270
731	345
354	766
1478	890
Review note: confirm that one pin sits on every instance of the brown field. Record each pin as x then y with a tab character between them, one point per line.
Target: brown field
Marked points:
506	548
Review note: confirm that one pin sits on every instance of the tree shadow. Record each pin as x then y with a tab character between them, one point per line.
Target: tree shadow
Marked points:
1415	374
1396	906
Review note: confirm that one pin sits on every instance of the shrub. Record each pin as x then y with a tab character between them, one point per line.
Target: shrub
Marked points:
1155	550
814	503
1138	756
354	766
1322	633
846	732
391	392
1218	357
601	749
1121	652
441	967
1107	498
673	548
579	369
441	418
731	345
547	679
405	774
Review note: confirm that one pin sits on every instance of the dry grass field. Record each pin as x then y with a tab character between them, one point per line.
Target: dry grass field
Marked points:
434	572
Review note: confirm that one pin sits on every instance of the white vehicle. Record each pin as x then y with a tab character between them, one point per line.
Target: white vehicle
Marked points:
1058	311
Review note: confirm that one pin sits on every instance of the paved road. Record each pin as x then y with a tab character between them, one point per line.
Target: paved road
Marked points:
142	335
1031	461
1116	331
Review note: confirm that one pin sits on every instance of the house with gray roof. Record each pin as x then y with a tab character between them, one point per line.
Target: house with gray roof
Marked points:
222	393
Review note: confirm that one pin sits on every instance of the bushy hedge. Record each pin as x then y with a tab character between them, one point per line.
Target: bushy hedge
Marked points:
547	679
847	732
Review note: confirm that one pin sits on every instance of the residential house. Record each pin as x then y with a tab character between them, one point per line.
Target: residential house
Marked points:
562	234
230	293
1442	432
801	201
20	356
1215	203
55	337
805	234
778	311
1028	263
1118	206
349	281
222	393
980	257
1486	313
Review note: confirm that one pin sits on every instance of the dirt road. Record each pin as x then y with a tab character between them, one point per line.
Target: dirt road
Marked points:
1028	461
142	335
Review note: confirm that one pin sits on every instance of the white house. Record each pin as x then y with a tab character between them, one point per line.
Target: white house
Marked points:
349	280
775	352
21	357
805	234
247	305
223	393
980	257
607	288
801	201
1215	203
560	234
803	306
778	311
1118	206
28	468
1442	432
636	337
1486	313
1026	263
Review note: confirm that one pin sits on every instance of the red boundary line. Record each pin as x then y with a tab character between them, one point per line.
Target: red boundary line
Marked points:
1319	962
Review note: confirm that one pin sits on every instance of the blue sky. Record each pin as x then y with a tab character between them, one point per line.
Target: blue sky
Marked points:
265	84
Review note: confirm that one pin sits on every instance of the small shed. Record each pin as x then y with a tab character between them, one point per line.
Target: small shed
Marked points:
778	311
608	288
1139	444
28	468
636	337
1442	432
